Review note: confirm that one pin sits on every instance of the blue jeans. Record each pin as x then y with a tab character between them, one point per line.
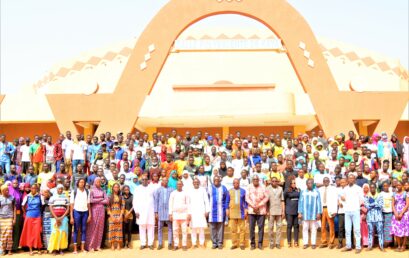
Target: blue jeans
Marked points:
80	221
5	165
353	218
75	162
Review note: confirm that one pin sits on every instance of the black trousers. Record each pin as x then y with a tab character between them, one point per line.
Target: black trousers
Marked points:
292	222
341	227
127	231
259	219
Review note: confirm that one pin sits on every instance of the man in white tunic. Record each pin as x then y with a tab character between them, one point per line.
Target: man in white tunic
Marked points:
178	214
144	207
198	209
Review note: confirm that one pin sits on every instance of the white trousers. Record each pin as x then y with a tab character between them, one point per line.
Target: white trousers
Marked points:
150	231
309	225
201	233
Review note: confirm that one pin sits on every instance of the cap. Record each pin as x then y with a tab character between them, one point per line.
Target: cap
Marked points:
210	138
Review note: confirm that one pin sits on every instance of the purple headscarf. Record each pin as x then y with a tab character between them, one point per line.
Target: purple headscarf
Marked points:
15	192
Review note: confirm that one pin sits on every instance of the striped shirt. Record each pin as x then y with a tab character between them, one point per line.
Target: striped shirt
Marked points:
219	202
161	197
309	204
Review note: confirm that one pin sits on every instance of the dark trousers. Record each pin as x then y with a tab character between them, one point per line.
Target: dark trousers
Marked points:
80	223
127	231
259	219
217	233
292	222
341	227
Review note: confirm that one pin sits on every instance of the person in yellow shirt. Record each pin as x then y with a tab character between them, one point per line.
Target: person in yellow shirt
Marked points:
180	163
275	173
278	149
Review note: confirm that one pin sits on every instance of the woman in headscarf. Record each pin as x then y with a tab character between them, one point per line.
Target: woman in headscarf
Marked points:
7	218
59	207
46	218
405	152
397	146
386	150
95	228
173	179
133	183
364	225
116	211
187	181
31	235
14	191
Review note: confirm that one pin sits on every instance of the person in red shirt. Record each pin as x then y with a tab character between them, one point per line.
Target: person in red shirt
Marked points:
168	165
350	143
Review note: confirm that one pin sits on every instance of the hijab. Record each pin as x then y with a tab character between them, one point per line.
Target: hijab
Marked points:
17	195
172	182
131	184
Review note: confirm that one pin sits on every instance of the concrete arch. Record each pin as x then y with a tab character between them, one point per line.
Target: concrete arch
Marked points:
157	39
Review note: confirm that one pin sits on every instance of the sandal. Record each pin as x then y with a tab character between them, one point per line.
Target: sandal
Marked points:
31	253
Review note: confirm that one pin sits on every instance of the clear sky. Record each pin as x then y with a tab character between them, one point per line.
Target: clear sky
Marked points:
37	34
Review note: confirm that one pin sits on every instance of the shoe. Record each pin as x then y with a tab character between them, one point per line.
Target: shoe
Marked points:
142	247
233	247
169	246
313	246
369	249
151	247
272	246
160	247
323	246
331	246
184	248
305	247
289	245
357	251
242	247
260	246
382	249
346	249
278	246
220	247
339	246
175	248
252	247
214	247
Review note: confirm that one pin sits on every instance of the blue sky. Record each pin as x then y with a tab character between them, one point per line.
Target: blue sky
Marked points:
37	34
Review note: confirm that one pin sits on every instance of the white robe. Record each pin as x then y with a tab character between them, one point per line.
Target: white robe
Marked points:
197	208
143	203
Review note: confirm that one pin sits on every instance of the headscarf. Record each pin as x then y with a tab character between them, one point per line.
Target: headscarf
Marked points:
375	138
369	190
187	182
26	185
172	182
15	192
132	186
95	185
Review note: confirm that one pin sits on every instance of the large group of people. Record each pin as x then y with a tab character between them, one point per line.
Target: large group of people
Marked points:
102	189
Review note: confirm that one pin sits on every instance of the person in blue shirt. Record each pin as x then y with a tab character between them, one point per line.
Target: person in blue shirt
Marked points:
309	210
13	175
30	177
7	150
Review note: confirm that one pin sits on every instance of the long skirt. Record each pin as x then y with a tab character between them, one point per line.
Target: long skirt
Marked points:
387	227
6	234
95	229
46	228
17	231
31	235
115	231
59	235
364	232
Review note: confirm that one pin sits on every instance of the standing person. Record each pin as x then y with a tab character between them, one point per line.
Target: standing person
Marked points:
37	155
219	202
49	154
66	149
276	212
128	216
400	219
14	191
256	198
329	203
78	153
291	197
198	209
387	196
352	199
32	206
46	218
161	198
309	210
59	207
237	215
116	209
80	213
58	153
341	212
144	207
7	219
374	218
386	150
364	226
95	230
178	214
25	156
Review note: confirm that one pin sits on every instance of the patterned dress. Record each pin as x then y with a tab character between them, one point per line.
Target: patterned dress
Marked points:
115	227
46	219
95	228
400	228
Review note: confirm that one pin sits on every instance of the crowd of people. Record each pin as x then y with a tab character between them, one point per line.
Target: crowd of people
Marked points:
101	189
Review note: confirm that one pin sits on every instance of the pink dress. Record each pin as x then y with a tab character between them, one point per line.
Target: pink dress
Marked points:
364	226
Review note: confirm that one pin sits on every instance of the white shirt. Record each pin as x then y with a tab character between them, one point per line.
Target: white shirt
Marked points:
228	182
81	200
301	183
66	145
354	196
79	148
25	153
341	192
